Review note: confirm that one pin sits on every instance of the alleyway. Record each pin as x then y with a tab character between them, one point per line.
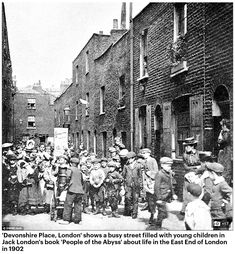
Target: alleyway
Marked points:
95	222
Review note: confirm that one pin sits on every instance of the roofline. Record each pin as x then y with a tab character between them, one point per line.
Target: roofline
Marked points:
94	34
142	10
64	91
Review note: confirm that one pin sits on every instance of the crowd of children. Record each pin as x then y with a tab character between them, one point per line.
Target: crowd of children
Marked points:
76	182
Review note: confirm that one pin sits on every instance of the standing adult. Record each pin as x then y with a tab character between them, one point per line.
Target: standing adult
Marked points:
225	152
191	165
74	194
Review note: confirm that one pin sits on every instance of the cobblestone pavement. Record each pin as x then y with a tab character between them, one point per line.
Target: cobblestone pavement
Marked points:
97	222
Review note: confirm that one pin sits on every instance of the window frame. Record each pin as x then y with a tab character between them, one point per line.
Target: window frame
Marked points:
176	19
102	95
87	62
34	122
144	53
28	103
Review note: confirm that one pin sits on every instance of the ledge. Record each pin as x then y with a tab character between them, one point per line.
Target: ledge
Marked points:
120	108
31	128
179	68
144	78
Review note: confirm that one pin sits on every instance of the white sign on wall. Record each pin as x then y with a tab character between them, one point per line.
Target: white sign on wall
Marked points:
60	140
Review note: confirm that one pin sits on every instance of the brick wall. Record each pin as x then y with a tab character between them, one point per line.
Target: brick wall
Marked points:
209	60
8	89
44	115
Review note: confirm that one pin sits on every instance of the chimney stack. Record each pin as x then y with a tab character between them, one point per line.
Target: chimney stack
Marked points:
123	16
100	32
115	24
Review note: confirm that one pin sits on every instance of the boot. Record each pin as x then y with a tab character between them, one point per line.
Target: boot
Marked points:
151	219
85	210
97	211
104	212
134	216
115	214
145	207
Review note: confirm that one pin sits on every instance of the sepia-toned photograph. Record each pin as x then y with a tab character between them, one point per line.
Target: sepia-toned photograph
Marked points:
117	116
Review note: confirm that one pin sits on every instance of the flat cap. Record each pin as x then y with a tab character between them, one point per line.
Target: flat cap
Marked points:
145	150
95	160
166	160
112	149
103	159
74	160
6	145
111	164
116	158
131	155
123	153
63	156
11	157
214	166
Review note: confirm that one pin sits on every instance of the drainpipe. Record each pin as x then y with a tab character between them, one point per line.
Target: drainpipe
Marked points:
131	80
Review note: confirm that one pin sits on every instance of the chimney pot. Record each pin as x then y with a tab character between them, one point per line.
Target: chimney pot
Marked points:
115	24
123	16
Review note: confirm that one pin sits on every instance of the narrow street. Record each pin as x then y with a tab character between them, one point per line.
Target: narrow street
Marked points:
96	222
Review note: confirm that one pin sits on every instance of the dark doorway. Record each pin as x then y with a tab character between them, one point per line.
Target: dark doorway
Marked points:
158	128
220	110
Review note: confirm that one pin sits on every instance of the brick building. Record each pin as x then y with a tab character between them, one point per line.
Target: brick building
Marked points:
8	87
34	114
101	80
183	72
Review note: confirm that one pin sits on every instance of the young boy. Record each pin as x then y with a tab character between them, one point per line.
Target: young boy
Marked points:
197	213
74	194
221	207
132	174
163	189
112	182
97	177
148	184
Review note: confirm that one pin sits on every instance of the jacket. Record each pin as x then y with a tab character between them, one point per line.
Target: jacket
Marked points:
163	187
76	181
132	174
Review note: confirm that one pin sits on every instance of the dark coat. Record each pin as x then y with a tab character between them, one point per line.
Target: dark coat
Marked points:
163	187
76	182
133	176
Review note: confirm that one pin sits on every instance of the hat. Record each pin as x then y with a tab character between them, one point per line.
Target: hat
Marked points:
116	158
140	155
11	157
122	146
123	153
214	166
103	159
63	156
145	150
95	160
166	160
194	189
6	145
74	160
151	174
190	141
131	155
112	149
111	164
